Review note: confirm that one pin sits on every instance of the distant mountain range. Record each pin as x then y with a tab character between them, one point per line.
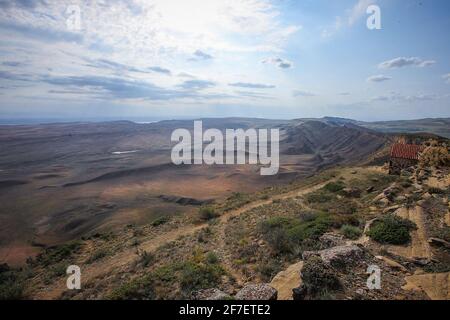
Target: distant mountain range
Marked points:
438	126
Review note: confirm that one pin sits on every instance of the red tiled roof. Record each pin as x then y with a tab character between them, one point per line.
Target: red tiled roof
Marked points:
406	151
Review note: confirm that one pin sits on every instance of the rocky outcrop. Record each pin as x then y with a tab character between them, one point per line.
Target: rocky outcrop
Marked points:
332	240
435	285
388	195
338	256
439	243
257	292
286	281
211	294
392	264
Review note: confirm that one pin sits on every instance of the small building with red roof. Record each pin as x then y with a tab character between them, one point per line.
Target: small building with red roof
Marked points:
403	156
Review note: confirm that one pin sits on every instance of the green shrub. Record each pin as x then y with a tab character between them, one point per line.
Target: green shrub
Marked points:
204	235
196	276
207	213
319	197
279	241
55	271
269	269
340	220
391	229
307	216
319	277
145	258
97	255
199	272
11	284
351	232
406	184
310	230
138	289
160	221
212	258
343	206
334	186
275	223
284	234
59	253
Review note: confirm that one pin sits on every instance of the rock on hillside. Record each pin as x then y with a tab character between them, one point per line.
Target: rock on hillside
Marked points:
287	280
257	292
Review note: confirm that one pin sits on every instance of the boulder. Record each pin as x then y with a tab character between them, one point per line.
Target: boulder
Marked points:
341	255
299	293
286	281
263	292
370	189
391	263
211	294
308	254
332	240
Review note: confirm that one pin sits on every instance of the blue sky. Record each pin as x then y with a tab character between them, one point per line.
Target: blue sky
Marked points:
200	58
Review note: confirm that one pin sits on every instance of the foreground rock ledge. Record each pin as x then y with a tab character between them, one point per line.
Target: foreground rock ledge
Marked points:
340	255
257	292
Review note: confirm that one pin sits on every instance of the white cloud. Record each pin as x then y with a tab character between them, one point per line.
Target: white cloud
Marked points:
378	78
401	62
170	26
199	55
252	85
279	62
446	77
142	42
300	93
349	18
394	96
359	10
330	31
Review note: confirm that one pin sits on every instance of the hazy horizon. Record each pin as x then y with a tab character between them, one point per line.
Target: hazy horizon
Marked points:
147	120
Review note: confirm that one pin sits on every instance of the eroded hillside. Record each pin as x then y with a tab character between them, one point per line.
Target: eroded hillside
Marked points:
330	227
59	182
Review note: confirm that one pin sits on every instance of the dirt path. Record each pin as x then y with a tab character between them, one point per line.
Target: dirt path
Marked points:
224	251
419	247
121	260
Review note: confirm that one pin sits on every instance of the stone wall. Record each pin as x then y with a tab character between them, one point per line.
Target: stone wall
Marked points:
397	164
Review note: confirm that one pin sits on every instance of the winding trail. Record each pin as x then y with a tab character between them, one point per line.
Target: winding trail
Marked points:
224	219
419	247
121	260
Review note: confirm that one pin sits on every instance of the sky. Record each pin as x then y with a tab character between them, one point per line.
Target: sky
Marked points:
284	59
